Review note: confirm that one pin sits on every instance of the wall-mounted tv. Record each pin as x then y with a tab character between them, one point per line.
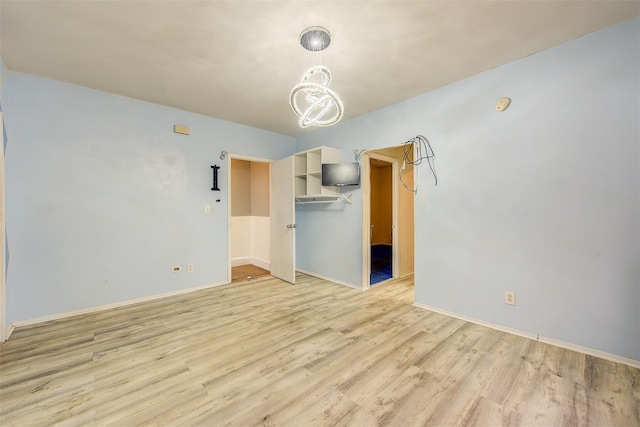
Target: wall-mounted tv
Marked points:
340	174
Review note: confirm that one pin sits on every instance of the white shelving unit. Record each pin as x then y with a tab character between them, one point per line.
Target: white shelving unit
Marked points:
308	173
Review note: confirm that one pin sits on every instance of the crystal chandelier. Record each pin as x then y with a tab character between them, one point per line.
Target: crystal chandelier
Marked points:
313	101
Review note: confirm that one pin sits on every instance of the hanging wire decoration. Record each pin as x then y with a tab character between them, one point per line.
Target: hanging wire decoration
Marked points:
313	101
420	148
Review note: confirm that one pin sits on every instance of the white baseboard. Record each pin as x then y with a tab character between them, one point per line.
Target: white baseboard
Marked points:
250	260
240	261
563	344
10	330
339	282
261	263
108	306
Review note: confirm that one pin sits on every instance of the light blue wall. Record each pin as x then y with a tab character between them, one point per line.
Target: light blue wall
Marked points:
103	198
542	199
329	238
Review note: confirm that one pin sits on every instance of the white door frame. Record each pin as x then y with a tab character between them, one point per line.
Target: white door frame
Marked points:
3	302
231	156
366	215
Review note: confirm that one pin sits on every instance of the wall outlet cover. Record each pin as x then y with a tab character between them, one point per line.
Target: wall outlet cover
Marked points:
510	297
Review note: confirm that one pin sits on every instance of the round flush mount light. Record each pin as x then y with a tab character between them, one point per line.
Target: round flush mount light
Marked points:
315	38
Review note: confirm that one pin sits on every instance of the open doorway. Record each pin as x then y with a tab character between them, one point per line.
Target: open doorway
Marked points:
388	218
381	224
249	218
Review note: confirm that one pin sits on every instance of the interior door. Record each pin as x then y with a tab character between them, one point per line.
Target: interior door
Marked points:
283	220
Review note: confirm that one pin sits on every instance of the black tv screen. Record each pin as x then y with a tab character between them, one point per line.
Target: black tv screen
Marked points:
341	174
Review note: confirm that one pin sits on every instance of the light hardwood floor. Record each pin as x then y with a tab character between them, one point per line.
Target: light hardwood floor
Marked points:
264	352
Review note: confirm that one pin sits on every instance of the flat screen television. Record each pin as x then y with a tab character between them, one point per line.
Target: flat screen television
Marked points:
340	174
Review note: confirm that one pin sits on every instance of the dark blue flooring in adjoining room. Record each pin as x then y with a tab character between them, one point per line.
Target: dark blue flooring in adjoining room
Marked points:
380	263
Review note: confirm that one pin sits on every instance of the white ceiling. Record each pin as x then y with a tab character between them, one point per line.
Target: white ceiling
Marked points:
238	60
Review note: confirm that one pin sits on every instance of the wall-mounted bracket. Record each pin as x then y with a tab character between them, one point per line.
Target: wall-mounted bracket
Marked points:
215	178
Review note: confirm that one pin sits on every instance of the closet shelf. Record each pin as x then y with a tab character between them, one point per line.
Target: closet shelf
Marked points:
307	200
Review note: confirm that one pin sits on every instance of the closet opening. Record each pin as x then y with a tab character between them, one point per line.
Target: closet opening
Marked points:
249	218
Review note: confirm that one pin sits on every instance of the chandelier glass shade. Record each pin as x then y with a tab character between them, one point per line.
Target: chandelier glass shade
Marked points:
313	100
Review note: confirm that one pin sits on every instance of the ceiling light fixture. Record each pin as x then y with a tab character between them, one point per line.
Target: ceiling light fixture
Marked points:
313	101
315	39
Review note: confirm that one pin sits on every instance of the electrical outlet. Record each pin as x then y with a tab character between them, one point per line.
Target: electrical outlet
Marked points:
510	297
176	268
189	268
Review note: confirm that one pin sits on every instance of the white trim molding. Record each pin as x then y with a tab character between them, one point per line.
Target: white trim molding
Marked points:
99	308
569	346
10	330
4	331
339	282
235	262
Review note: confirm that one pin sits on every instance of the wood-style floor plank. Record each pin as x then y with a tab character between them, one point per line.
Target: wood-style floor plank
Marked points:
263	352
